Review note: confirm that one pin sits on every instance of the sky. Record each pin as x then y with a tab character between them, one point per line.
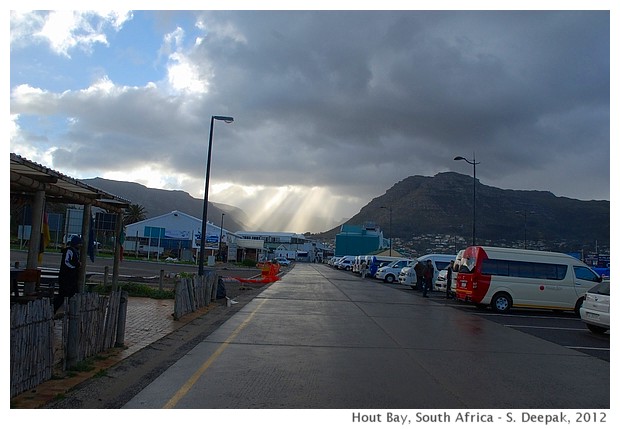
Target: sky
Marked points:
331	108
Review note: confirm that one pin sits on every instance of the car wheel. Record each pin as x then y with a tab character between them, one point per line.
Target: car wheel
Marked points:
501	302
596	329
578	307
390	278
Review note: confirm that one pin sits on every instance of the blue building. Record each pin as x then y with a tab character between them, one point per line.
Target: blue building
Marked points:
360	240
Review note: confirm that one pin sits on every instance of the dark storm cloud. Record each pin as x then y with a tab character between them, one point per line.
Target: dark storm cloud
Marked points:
357	101
415	87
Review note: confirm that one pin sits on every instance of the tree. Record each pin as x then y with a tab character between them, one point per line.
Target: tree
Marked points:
134	213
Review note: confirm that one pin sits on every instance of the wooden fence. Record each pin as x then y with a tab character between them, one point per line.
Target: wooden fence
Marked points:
91	325
32	344
194	292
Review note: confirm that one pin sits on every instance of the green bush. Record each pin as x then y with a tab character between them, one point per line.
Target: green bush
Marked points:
248	263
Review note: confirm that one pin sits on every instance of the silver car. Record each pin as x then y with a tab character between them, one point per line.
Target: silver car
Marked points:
595	309
442	281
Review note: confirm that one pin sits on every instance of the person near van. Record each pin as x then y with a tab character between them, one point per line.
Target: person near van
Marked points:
449	280
68	274
419	274
428	274
364	269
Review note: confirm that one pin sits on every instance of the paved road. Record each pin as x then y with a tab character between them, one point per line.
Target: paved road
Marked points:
320	338
563	328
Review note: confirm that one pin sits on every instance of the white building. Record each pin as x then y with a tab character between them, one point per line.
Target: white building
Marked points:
289	245
177	234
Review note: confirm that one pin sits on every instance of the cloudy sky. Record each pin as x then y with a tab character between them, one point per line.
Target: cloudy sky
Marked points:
331	108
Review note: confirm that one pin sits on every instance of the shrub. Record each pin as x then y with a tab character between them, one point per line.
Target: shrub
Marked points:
138	289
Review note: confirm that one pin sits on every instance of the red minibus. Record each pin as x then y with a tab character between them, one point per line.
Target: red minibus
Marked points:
504	278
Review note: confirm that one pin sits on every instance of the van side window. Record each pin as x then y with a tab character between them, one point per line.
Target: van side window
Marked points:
534	270
550	271
583	273
495	267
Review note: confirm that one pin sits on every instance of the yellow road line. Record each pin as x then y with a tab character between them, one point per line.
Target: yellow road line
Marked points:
194	378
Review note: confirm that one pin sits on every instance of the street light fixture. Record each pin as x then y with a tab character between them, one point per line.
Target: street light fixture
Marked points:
201	260
390	231
474	163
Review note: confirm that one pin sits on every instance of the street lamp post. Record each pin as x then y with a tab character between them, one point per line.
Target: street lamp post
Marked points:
524	213
390	231
474	163
219	245
201	260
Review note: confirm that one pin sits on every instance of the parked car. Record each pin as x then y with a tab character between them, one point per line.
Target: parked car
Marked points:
282	261
442	281
389	273
595	308
407	275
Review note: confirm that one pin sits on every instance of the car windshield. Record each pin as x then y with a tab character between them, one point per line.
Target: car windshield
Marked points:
467	265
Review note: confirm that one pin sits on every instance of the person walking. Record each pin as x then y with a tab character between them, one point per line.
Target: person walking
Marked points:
449	281
428	273
68	274
364	269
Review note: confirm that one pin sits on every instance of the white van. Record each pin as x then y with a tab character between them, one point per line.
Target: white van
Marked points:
389	273
504	278
408	277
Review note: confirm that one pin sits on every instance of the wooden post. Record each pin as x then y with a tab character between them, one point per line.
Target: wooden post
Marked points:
35	236
73	336
122	319
106	274
117	250
84	247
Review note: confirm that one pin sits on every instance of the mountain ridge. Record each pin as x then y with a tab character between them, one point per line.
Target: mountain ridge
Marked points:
441	204
162	201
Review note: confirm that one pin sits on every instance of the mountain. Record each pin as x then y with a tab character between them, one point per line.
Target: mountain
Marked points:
422	205
443	204
159	201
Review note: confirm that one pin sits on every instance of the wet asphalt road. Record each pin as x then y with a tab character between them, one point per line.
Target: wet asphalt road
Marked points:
320	338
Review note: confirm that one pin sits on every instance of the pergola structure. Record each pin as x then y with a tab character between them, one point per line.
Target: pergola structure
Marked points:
40	184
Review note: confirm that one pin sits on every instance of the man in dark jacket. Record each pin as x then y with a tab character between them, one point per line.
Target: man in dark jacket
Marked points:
449	281
429	272
69	270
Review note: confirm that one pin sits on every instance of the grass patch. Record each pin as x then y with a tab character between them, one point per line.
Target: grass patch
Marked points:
83	366
100	373
138	289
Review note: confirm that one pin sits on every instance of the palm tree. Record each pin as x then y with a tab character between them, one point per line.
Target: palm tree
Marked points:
134	213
